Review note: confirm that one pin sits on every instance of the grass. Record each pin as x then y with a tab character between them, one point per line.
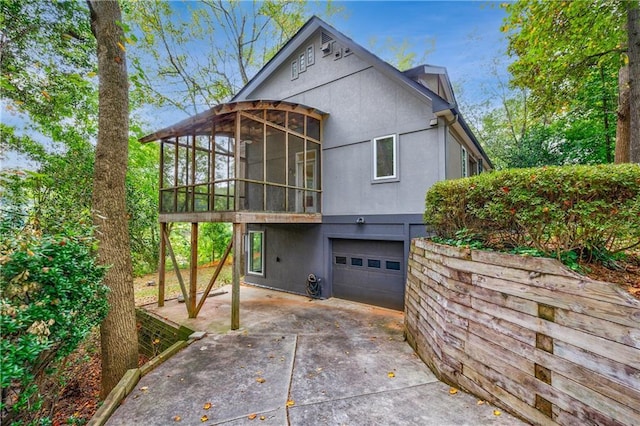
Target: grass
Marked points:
145	293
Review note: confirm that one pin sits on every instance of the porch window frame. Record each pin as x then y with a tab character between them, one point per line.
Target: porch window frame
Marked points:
250	252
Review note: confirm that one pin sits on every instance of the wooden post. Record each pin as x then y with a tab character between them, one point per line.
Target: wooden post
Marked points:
177	270
162	264
237	271
193	271
213	278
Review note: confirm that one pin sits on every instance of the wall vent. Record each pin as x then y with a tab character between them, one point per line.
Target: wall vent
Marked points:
326	48
326	38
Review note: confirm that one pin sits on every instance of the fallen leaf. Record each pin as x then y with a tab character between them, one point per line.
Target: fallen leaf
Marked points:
260	380
480	402
453	391
207	406
177	418
204	418
291	403
252	416
262	417
144	388
391	374
496	412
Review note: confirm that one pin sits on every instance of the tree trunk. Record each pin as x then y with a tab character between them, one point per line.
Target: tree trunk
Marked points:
622	129
633	29
118	331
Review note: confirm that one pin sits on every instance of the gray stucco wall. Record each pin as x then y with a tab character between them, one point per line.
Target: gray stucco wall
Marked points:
292	252
362	104
454	159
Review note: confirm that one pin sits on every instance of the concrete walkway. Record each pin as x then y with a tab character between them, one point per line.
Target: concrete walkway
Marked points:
297	361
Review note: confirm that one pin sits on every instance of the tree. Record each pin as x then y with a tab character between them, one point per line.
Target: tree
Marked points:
558	45
118	331
633	30
201	60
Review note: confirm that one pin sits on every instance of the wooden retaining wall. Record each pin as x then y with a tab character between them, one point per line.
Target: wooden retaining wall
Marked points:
526	334
156	334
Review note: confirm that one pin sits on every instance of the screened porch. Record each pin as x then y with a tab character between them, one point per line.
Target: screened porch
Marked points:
242	162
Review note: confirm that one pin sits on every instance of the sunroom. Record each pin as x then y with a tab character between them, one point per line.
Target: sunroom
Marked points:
240	162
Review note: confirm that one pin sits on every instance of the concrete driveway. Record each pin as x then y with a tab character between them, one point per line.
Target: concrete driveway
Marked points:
297	361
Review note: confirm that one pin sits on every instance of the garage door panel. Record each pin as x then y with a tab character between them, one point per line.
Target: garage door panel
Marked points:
383	299
369	271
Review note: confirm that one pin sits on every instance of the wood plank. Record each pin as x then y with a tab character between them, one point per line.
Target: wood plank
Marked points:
506	399
502	326
517	384
620	314
508	301
581	374
497	357
241	217
193	271
583	287
606	348
237	272
528	263
604	365
629	336
446	250
162	264
566	418
599	402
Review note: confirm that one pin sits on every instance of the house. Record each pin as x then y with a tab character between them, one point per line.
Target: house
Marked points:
321	162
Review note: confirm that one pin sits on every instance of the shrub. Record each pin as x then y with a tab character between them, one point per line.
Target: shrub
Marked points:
51	297
556	210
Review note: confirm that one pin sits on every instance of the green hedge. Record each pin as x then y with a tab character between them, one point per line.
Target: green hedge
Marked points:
581	209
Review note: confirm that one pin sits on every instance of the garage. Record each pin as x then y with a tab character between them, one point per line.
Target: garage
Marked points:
369	271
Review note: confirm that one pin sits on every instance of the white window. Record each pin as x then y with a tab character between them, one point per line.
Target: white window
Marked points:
464	161
310	55
385	158
294	70
302	61
256	253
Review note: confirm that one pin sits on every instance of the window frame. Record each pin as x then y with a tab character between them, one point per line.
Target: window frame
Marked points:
295	71
250	253
310	52
464	160
389	178
302	62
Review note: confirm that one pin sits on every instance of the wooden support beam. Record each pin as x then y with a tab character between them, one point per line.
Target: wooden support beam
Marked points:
213	278
165	236
193	271
162	265
237	271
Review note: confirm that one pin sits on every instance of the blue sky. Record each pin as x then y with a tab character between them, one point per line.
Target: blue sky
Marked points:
466	33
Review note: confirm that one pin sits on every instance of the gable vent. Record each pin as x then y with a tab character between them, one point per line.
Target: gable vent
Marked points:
326	38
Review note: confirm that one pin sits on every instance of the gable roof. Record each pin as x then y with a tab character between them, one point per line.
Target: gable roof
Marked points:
307	30
407	78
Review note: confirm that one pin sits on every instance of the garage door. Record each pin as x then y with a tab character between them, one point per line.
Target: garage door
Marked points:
369	271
